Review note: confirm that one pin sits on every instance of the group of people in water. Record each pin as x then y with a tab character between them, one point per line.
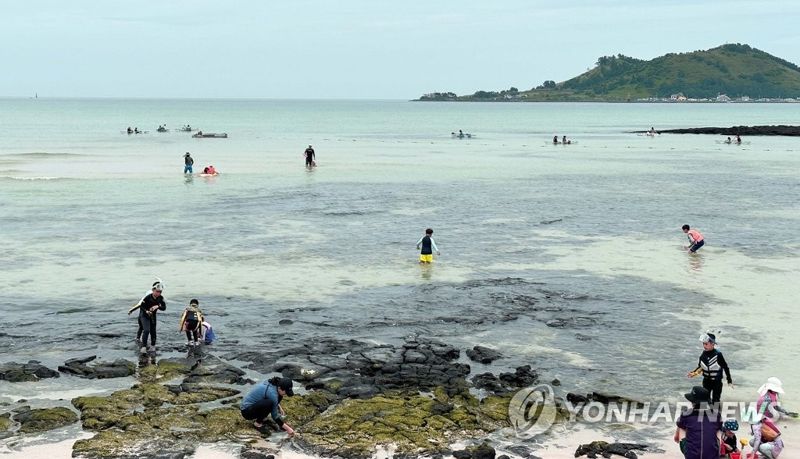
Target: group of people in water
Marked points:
737	141
563	141
161	128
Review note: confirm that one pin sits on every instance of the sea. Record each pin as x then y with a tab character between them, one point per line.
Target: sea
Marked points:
568	258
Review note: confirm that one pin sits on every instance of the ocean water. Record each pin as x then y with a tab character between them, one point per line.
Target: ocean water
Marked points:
567	258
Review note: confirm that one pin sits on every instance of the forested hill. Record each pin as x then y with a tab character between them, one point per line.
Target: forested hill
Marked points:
734	70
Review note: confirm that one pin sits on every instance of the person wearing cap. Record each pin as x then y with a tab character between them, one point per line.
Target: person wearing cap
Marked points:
698	430
310	156
265	400
148	308
711	364
188	162
730	444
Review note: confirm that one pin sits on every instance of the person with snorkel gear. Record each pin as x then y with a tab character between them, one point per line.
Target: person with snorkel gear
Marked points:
148	308
711	364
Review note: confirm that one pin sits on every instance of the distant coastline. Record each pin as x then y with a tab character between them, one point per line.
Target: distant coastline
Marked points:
728	73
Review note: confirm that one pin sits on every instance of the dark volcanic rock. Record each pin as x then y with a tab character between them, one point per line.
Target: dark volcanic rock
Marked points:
364	369
483	354
22	372
482	451
507	382
40	420
605	449
99	370
522	377
740	130
210	369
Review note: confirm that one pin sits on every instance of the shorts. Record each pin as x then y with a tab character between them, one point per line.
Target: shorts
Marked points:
697	245
426	258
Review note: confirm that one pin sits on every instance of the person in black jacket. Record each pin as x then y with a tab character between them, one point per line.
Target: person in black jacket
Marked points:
148	308
711	364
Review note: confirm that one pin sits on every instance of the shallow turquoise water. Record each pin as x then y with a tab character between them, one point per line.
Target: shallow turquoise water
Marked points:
588	232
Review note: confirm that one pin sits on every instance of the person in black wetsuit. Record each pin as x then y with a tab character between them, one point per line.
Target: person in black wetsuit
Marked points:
310	156
148	308
711	364
428	246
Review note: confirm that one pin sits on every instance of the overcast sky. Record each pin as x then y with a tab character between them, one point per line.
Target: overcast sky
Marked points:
371	49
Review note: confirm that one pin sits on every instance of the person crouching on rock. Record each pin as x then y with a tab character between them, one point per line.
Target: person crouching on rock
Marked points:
265	400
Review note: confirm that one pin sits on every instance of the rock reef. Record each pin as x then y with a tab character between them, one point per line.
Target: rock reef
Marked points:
782	130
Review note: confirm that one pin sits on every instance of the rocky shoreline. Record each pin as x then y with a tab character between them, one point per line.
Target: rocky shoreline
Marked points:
357	396
777	130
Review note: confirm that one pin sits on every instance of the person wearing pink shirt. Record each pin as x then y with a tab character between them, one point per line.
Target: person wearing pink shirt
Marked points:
695	238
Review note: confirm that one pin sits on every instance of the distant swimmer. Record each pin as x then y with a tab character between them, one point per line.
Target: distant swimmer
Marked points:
210	170
427	246
188	162
136	130
565	141
130	131
555	139
695	238
738	139
728	140
310	156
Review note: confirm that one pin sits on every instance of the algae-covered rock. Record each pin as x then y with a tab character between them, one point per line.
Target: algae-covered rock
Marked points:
24	372
43	419
409	421
172	431
165	370
99	370
5	425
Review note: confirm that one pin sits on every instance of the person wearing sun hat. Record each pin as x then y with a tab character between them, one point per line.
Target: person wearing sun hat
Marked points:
698	430
768	403
711	365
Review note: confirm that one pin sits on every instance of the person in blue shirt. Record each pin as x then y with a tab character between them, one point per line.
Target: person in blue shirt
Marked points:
265	400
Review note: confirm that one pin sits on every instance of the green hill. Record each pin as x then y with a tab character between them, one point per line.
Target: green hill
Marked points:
735	70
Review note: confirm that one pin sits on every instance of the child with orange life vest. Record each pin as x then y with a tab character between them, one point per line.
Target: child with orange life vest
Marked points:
695	238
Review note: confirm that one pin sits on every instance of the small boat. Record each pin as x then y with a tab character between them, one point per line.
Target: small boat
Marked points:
461	135
212	135
162	130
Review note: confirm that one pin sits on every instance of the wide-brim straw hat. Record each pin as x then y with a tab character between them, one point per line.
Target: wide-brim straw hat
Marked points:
774	384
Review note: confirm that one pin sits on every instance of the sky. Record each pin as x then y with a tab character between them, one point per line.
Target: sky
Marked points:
354	49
